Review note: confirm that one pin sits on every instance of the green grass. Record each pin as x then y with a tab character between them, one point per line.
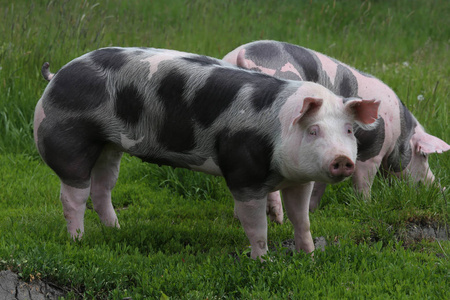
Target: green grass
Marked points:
178	236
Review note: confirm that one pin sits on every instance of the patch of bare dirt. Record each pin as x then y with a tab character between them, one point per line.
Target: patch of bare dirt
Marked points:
12	288
414	233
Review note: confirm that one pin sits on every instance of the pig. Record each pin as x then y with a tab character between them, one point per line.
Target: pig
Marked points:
191	111
398	144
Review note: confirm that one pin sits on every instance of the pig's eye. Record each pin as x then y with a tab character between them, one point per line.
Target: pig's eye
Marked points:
349	129
313	130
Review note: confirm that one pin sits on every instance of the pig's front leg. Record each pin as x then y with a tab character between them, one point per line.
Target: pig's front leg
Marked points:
252	215
296	202
275	207
317	193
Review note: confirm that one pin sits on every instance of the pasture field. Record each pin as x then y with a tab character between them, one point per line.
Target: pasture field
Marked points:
178	238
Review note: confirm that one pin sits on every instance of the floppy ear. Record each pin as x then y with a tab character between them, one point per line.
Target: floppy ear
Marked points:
240	59
365	111
310	106
425	143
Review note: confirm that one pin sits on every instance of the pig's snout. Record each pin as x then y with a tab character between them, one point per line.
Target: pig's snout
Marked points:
341	166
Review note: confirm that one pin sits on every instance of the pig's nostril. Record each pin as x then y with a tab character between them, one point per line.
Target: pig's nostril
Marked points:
349	165
336	166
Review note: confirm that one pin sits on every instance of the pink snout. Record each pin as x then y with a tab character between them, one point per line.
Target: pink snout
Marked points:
341	166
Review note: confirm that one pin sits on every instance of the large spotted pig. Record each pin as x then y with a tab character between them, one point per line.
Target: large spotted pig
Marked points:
190	111
398	143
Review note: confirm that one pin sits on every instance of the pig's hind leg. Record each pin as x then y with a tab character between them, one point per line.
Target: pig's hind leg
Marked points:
364	176
71	148
317	193
275	207
74	205
103	179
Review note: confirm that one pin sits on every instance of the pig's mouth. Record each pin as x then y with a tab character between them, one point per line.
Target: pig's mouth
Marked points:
336	179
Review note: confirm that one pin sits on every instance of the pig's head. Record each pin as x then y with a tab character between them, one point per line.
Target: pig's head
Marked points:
422	144
317	140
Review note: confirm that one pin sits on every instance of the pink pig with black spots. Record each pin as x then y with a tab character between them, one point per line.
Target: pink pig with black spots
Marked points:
398	144
196	112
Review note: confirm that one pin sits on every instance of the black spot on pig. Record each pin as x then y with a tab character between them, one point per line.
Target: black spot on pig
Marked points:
177	131
201	60
287	75
266	54
266	92
218	92
78	87
370	142
129	104
138	52
222	87
346	82
400	157
305	60
109	58
71	147
244	158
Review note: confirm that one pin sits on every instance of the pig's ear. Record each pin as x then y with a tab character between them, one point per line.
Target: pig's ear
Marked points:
366	111
310	106
240	59
425	143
